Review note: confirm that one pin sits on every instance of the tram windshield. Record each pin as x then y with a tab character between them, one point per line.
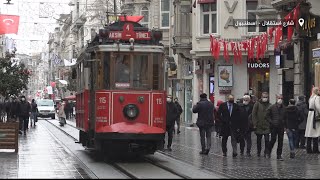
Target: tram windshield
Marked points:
136	71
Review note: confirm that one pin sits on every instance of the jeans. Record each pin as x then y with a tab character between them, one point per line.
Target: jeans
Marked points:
170	130
266	142
277	132
248	140
24	122
292	136
34	117
205	134
300	140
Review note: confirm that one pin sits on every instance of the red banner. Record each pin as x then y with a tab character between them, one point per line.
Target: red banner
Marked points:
9	24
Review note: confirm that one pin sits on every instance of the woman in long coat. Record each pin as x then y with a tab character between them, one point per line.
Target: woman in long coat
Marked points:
313	128
62	115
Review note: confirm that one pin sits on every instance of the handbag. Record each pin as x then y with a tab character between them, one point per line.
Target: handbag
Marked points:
316	115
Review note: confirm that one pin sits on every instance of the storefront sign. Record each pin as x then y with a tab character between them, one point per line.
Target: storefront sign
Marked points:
316	53
230	21
258	65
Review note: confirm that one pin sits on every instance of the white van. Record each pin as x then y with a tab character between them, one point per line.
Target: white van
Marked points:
46	108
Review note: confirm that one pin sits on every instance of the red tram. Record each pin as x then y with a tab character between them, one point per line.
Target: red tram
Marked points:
120	101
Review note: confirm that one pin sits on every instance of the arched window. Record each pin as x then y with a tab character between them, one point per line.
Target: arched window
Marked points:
145	13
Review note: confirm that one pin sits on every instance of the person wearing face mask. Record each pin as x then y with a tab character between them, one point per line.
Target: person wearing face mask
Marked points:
260	124
275	116
246	110
13	109
179	108
313	127
231	125
172	115
24	109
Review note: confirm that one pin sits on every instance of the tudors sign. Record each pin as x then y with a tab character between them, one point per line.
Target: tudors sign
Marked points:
258	65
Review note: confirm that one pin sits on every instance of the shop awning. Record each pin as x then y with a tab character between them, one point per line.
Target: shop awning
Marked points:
206	1
64	82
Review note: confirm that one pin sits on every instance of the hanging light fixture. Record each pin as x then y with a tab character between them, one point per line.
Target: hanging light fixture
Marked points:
8	2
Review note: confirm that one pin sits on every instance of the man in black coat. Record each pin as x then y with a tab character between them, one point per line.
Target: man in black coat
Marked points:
14	109
232	125
172	114
24	109
205	121
275	116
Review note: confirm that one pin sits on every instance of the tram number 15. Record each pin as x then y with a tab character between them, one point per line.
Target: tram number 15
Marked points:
159	101
103	100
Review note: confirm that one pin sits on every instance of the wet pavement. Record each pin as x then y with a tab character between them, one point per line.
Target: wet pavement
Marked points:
40	155
186	148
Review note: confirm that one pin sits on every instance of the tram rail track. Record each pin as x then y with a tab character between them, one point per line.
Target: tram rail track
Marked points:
146	168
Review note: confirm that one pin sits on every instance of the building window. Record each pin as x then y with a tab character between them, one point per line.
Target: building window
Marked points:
145	13
165	13
252	17
209	18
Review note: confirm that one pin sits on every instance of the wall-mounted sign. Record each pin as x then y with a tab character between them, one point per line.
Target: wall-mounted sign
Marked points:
257	65
225	74
230	21
316	53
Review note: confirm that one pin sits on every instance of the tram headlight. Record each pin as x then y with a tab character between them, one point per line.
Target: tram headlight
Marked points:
131	111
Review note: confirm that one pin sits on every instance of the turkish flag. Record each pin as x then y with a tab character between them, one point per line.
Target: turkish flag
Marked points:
9	24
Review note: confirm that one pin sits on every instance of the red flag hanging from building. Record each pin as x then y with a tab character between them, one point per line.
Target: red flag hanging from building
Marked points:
9	24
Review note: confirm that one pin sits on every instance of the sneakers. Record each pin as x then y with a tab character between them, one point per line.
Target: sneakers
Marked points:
169	149
225	154
24	133
178	132
279	158
292	155
248	154
234	154
205	152
20	132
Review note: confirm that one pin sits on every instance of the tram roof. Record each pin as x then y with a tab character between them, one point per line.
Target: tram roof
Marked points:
122	48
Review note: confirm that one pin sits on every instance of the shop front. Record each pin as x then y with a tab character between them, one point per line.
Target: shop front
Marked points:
259	77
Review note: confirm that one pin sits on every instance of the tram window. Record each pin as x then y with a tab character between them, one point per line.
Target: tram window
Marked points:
156	72
140	71
122	69
106	69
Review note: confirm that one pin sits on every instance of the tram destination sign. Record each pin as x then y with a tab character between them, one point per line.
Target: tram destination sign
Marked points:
128	32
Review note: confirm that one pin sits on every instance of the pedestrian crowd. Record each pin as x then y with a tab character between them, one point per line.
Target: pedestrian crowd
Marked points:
300	121
16	109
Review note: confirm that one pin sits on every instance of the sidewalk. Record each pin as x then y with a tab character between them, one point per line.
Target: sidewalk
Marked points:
186	147
40	156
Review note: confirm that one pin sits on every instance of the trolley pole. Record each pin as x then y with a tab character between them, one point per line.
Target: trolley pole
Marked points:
115	7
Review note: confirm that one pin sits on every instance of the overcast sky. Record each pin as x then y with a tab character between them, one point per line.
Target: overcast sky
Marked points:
37	19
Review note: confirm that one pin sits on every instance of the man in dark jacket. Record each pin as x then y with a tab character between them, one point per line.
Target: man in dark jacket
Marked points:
205	122
179	108
231	125
275	116
172	114
246	110
303	111
292	121
24	109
